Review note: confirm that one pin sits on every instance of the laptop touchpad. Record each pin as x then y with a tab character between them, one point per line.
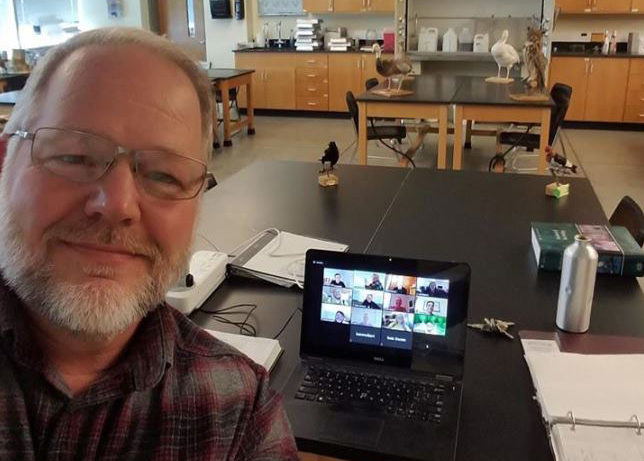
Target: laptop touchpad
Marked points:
352	430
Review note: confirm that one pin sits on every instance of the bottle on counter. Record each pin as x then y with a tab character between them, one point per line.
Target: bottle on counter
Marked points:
606	45
450	41
613	43
578	271
465	40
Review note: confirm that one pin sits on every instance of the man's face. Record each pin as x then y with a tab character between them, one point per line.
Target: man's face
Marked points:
369	298
339	317
337	278
375	277
108	244
398	302
336	294
432	286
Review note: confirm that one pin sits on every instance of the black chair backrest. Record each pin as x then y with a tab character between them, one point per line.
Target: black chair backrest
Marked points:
372	82
352	105
560	94
630	215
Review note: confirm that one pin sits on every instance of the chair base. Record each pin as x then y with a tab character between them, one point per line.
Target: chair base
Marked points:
228	143
251	131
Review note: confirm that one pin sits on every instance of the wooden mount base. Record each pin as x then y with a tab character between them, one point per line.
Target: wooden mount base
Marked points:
499	80
557	190
391	92
530	97
328	180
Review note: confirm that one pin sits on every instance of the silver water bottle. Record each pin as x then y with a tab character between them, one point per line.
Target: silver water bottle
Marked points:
578	272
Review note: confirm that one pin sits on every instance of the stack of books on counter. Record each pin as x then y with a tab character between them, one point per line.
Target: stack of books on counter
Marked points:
339	44
308	36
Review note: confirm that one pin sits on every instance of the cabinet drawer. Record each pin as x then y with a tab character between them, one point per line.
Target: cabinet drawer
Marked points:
312	60
634	113
313	102
312	88
308	76
637	67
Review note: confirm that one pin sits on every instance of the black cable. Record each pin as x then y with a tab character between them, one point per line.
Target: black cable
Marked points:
245	328
287	322
403	154
516	143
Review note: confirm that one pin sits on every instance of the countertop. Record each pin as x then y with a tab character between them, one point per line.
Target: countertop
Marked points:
581	54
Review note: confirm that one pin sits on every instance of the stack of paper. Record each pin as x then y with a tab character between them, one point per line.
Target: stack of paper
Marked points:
263	351
589	401
308	36
339	44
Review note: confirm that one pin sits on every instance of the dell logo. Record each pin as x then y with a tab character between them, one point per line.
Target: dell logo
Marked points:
379	359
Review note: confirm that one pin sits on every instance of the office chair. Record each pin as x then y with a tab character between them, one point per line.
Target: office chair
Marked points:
629	214
371	83
560	94
379	132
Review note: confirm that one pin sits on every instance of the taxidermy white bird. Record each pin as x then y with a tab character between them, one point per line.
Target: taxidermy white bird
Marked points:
391	67
504	54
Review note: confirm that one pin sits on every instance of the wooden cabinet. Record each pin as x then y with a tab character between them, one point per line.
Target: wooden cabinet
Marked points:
345	74
606	91
273	80
312	81
637	6
573	72
598	86
317	6
351	6
595	6
634	110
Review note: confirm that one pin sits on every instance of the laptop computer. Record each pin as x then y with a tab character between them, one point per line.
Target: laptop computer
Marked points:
381	357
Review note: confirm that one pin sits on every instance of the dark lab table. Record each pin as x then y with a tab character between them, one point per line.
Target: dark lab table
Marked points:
224	80
479	218
14	81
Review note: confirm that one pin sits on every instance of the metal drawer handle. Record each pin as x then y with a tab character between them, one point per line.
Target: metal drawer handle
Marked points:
311	75
311	61
315	104
312	90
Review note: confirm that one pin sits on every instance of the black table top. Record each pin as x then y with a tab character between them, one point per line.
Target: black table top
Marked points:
9	98
224	74
479	218
457	89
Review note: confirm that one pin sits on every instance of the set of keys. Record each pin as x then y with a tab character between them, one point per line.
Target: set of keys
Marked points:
495	326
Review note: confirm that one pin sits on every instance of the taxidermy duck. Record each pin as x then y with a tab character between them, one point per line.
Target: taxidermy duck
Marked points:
391	67
504	54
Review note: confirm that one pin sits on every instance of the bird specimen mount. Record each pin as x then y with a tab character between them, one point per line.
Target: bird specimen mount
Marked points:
559	165
328	160
535	63
397	67
505	56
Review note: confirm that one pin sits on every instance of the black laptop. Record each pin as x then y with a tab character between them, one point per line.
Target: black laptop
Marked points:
382	349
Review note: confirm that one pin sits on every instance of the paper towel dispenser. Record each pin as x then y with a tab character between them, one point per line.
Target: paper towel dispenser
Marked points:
220	9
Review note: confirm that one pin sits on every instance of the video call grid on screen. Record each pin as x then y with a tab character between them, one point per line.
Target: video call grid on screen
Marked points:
384	309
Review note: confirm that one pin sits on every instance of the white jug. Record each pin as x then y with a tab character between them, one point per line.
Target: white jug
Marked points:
450	41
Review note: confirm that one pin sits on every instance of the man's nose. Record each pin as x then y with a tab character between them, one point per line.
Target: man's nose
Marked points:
115	197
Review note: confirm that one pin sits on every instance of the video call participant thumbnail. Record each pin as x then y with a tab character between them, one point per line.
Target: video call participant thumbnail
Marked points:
398	321
399	303
366	317
336	295
375	283
335	313
433	289
369	302
430	324
337	281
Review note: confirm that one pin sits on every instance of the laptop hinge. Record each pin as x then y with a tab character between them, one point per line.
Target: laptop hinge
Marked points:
445	378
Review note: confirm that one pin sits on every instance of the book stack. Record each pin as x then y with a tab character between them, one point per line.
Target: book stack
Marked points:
308	36
339	44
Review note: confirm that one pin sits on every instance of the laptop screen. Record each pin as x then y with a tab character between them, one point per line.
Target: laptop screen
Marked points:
383	309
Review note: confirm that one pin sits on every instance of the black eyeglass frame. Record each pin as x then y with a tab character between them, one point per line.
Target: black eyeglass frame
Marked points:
119	150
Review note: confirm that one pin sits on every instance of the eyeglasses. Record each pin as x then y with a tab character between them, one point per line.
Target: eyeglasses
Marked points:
84	157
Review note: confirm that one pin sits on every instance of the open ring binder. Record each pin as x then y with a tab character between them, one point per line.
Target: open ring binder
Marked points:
639	424
571	415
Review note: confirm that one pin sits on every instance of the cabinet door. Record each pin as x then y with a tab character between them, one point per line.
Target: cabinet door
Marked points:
611	6
634	110
573	72
349	6
318	6
637	6
606	93
280	88
575	6
345	74
381	5
252	61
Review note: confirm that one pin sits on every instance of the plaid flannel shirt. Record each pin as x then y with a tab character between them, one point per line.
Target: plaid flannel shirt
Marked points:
176	393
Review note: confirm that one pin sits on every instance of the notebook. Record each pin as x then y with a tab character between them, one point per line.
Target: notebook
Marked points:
382	350
593	404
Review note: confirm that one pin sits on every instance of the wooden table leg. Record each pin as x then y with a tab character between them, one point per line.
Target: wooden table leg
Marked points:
468	134
543	141
225	102
458	138
250	108
215	119
442	137
362	133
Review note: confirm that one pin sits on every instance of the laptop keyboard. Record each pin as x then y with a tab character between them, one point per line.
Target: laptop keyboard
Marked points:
402	397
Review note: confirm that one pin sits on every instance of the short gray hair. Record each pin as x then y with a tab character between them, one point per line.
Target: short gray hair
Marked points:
37	82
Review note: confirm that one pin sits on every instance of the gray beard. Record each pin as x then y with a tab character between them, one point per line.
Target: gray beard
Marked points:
95	309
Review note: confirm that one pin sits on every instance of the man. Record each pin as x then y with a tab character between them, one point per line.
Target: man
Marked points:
375	283
369	303
400	289
433	290
339	317
94	365
337	281
398	305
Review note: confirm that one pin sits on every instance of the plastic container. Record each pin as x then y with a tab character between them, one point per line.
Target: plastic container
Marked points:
450	41
465	40
428	39
481	43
